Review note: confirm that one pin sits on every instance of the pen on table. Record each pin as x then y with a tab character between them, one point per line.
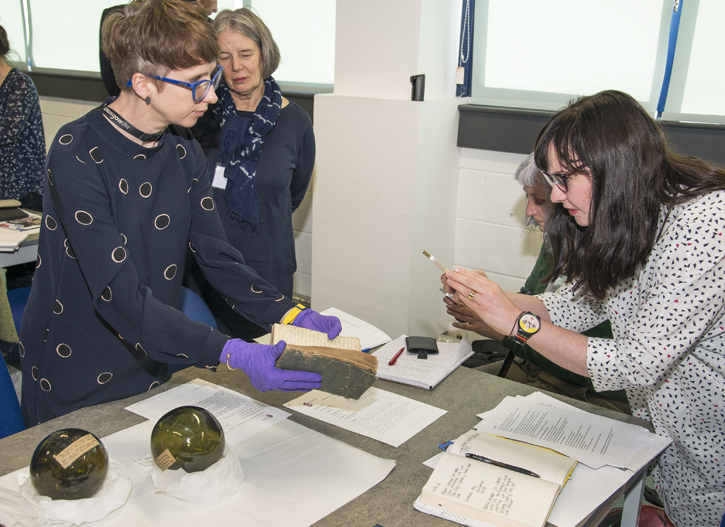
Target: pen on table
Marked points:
366	350
502	465
395	359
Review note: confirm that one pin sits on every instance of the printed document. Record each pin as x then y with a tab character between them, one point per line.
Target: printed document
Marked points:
239	415
383	416
591	439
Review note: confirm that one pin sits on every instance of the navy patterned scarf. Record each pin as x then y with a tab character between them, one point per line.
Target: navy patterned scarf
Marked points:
241	144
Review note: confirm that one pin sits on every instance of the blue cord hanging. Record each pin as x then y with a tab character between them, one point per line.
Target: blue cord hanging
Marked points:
672	44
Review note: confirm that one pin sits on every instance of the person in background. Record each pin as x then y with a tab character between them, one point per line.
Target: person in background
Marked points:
127	192
261	152
107	76
22	139
534	369
638	233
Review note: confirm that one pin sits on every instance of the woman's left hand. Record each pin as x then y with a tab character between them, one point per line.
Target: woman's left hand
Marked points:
485	298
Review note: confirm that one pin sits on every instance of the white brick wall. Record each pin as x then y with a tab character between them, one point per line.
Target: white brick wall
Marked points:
490	231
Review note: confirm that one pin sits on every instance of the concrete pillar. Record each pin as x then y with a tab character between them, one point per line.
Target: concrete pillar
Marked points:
387	168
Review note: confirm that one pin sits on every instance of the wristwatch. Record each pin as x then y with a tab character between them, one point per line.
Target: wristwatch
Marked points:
527	325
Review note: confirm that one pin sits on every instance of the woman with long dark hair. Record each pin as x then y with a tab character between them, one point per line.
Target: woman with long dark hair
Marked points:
640	236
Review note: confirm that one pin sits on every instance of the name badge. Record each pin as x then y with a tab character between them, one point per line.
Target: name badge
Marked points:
220	181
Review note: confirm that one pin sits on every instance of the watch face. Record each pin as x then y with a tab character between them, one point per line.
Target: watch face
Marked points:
529	323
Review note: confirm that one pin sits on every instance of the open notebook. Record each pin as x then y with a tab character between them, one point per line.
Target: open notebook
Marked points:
506	483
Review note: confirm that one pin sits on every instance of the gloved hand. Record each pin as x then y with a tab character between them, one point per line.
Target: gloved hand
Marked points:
313	320
257	361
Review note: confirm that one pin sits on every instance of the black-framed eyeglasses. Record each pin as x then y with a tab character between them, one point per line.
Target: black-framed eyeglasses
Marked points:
199	89
560	180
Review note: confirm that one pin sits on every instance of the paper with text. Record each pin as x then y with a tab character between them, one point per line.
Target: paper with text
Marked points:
591	439
239	415
381	415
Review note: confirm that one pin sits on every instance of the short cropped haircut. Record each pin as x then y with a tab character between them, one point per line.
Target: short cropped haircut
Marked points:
245	22
157	36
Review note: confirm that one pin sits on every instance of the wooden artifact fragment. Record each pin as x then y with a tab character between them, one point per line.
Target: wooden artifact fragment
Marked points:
345	369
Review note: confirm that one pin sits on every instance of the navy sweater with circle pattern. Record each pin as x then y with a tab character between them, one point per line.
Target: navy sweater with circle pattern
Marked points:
118	218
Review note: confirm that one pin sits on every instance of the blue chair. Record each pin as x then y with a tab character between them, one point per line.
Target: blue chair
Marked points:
11	420
195	308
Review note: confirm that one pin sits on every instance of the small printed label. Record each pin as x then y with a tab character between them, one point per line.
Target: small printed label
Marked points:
76	450
219	180
460	75
165	460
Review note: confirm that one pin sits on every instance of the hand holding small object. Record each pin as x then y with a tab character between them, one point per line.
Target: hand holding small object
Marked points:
484	298
258	362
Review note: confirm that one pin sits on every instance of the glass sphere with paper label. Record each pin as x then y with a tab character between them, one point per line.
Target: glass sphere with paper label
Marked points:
69	464
187	437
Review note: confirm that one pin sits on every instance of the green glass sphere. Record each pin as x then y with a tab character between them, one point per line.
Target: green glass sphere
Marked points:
192	435
84	472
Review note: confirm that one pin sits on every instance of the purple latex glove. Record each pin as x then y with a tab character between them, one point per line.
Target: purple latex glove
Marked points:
257	361
313	320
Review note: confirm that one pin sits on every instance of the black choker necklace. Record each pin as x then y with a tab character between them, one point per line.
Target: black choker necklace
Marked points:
128	127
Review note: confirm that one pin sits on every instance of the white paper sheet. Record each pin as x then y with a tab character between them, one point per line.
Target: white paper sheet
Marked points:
369	335
239	415
293	478
428	373
593	440
381	415
10	239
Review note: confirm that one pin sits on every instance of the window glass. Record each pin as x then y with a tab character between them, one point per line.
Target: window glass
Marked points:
305	34
11	18
65	35
703	92
538	54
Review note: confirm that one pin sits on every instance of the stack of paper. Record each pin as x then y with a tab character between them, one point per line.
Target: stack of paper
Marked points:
588	488
10	239
590	439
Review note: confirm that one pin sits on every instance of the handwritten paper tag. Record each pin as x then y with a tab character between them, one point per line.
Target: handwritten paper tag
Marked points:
165	460
76	450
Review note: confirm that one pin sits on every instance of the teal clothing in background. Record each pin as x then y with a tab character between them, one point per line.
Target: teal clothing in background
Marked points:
536	286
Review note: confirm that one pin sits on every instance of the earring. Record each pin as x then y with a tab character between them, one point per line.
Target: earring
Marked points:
148	101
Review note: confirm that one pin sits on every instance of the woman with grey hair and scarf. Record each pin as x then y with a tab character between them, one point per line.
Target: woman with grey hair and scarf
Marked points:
261	152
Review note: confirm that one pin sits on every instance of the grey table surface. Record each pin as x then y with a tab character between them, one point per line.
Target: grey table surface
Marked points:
464	394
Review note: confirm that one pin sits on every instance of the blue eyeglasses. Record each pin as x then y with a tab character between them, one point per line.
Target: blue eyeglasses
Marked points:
199	89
